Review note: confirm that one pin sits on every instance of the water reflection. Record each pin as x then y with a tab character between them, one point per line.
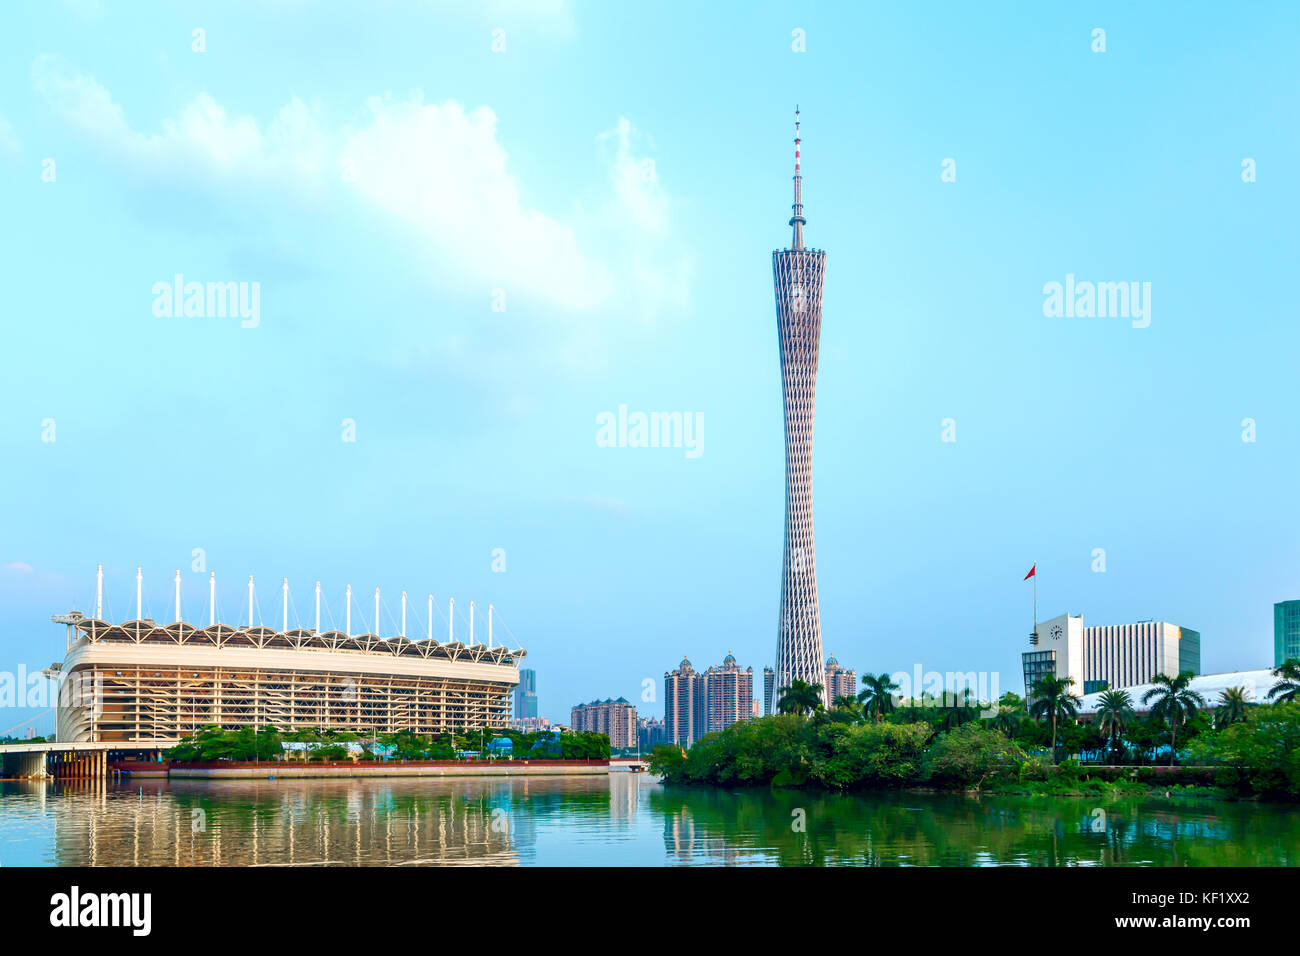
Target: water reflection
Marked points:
295	822
802	829
619	820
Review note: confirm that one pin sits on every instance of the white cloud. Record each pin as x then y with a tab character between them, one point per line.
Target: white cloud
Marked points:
19	567
658	268
203	137
443	170
636	179
435	170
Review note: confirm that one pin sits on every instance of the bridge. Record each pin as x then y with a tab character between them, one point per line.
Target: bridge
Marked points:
632	764
73	761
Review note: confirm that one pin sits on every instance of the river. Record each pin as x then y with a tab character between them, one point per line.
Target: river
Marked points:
622	819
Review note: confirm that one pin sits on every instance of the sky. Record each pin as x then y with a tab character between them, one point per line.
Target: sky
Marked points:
474	229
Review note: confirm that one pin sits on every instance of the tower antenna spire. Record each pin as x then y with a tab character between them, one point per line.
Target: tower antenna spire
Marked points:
796	219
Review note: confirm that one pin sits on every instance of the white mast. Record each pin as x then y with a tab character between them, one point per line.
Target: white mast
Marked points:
250	601
376	612
430	617
178	594
212	598
139	603
451	619
99	592
489	627
471	623
403	614
347	627
284	613
317	607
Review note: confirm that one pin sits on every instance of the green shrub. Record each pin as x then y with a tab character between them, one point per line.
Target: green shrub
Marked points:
788	750
1068	772
972	755
1259	755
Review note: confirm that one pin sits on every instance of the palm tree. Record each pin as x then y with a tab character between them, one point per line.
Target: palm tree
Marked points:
1010	707
1114	716
1052	698
1288	685
877	696
1005	720
847	710
800	697
1175	702
1232	706
955	712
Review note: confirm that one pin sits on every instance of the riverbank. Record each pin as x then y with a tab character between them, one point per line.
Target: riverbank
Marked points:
1259	757
1093	788
293	770
1104	789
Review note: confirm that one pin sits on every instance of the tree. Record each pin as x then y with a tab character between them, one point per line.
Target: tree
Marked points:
1172	700
956	713
1011	701
1011	711
877	696
1052	699
800	698
405	744
1233	704
1006	720
970	755
1288	687
1261	753
847	710
1114	716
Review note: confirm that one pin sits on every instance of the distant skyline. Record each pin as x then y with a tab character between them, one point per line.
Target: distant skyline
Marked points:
465	258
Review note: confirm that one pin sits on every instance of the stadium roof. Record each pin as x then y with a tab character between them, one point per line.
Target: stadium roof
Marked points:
1210	686
222	635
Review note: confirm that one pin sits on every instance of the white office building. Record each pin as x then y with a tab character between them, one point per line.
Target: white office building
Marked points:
1112	656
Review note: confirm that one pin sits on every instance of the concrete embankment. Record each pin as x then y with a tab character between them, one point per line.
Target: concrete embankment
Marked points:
299	771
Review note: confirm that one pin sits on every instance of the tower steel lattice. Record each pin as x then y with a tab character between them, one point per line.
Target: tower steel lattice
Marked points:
798	275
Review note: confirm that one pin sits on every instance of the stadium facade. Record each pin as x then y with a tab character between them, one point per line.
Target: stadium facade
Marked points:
140	681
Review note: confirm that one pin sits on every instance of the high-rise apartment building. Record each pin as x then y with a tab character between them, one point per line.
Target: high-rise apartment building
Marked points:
650	733
729	692
838	682
696	703
1286	632
769	688
685	706
617	718
525	696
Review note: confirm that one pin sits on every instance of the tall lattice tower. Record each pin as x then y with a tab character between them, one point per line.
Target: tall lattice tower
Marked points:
798	275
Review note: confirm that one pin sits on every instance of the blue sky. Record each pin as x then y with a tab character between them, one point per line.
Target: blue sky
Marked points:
621	174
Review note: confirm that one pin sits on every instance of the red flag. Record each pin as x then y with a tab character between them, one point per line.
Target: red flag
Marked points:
1032	573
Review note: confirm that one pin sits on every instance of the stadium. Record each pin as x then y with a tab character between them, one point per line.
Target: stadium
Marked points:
144	683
